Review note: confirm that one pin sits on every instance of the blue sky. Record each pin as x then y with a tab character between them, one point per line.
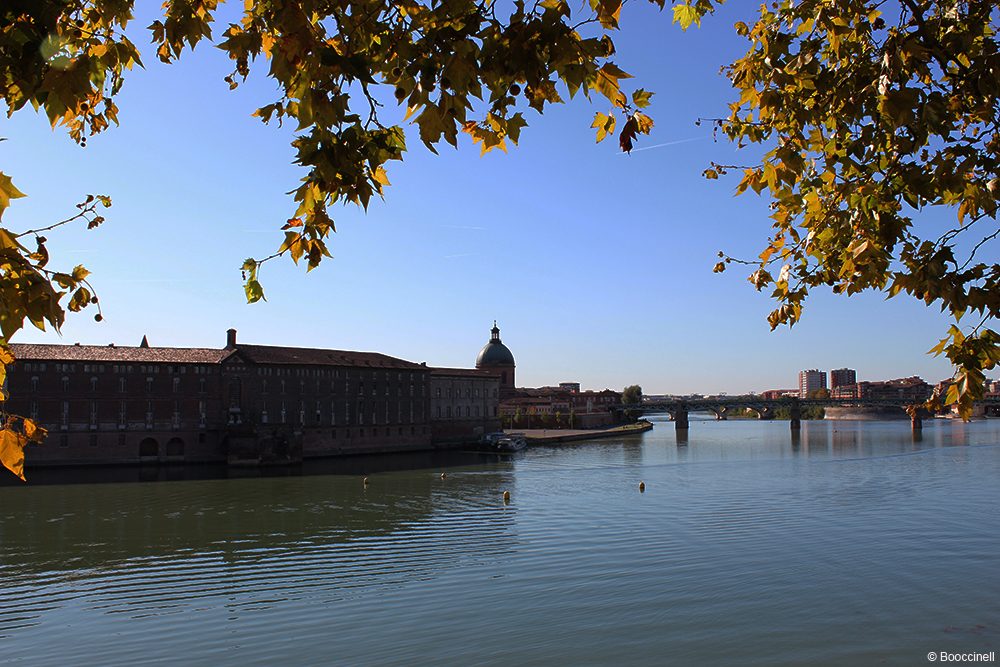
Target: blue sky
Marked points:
597	265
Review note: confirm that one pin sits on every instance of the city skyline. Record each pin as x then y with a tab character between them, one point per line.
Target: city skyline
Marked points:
596	265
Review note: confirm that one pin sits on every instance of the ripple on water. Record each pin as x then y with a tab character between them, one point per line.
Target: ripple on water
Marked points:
742	550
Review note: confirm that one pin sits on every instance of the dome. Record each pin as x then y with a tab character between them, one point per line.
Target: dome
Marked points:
494	353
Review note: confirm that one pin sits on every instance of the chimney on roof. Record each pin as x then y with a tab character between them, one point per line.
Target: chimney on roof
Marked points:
144	343
230	339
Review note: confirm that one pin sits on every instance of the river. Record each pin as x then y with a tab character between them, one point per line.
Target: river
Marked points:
855	543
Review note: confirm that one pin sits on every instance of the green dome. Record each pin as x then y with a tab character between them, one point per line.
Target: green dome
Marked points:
494	353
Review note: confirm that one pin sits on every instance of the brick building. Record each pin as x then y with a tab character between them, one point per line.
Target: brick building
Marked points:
905	390
241	403
119	404
842	376
464	404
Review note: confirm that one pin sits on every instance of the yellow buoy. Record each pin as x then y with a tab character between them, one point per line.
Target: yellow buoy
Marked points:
642	487
506	497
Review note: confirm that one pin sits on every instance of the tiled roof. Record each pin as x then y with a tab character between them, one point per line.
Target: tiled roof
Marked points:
269	354
470	372
109	353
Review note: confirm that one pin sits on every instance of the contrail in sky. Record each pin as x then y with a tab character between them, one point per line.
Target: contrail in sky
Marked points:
669	143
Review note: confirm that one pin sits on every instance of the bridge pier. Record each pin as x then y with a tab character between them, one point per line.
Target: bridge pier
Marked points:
681	419
916	417
795	415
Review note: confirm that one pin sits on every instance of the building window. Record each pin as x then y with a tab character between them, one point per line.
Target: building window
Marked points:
93	384
175	420
149	385
93	414
64	421
177	385
201	414
201	385
438	392
121	415
65	383
149	414
34	384
438	413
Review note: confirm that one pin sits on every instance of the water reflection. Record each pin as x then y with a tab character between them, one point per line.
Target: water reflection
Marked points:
752	544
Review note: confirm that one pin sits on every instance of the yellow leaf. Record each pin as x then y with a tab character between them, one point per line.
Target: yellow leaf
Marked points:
7	191
380	176
12	451
33	432
80	273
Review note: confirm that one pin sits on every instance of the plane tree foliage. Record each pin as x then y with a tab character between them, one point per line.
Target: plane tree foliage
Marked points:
866	112
874	121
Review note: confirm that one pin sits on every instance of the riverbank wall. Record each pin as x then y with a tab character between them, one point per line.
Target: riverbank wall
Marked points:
861	413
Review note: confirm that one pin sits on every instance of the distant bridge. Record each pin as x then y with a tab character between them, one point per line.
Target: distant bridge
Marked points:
765	407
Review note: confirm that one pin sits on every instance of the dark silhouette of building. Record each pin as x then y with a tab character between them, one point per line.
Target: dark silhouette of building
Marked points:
241	403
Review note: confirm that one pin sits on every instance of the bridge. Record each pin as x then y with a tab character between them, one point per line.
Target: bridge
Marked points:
765	407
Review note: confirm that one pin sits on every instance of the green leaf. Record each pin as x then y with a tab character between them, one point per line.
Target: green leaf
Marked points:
686	15
640	98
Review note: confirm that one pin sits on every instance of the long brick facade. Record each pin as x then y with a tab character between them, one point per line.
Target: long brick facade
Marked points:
241	403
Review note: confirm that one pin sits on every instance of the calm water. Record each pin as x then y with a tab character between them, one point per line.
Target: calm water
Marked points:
855	545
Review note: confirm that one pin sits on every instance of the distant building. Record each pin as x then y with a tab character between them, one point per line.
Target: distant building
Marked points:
904	390
774	394
553	407
572	387
842	376
810	381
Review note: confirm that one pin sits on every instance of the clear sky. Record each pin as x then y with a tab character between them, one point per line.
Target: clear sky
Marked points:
597	265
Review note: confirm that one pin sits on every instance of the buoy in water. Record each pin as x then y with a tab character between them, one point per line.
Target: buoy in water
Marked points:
365	481
506	497
642	487
443	475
